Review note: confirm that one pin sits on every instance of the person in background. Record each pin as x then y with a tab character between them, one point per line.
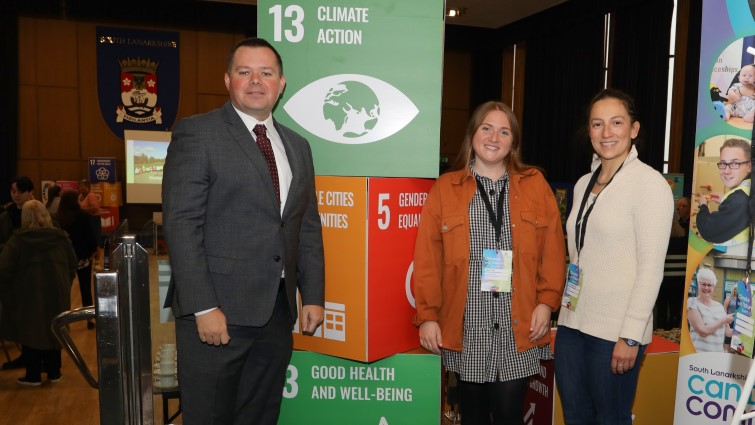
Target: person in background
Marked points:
708	320
88	201
21	191
727	227
731	303
680	226
90	204
78	226
37	267
618	233
241	220
53	200
489	269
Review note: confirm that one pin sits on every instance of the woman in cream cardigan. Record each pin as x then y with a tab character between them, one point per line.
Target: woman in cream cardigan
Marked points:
618	232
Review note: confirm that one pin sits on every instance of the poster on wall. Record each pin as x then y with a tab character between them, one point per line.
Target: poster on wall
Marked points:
676	183
137	78
716	334
102	170
365	95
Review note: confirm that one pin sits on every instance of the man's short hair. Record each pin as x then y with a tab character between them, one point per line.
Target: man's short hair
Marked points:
252	42
23	184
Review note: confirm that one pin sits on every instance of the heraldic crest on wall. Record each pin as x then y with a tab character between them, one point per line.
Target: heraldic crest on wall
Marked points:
128	62
139	91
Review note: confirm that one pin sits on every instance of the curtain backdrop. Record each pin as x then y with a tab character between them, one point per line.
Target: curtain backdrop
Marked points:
640	65
689	91
564	69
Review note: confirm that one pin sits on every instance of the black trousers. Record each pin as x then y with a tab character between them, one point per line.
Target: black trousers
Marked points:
85	285
38	361
497	403
239	383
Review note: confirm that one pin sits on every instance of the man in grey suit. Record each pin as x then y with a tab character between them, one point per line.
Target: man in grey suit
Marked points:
243	234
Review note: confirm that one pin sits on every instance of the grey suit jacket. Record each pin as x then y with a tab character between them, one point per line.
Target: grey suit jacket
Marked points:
227	241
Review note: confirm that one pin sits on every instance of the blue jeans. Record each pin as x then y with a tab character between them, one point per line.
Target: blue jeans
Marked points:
590	392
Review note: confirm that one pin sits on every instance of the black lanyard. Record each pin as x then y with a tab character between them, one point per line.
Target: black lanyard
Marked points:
581	224
497	221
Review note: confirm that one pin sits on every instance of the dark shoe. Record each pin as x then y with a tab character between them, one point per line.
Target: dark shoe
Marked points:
29	382
90	324
17	363
54	378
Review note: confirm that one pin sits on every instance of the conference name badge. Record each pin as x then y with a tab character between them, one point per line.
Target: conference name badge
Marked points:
573	286
496	270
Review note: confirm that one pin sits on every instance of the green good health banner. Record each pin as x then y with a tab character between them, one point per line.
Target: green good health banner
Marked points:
363	82
403	389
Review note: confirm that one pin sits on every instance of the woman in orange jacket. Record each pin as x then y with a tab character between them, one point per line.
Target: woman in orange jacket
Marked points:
489	269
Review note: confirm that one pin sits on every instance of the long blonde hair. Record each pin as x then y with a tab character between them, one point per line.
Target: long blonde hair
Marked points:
35	215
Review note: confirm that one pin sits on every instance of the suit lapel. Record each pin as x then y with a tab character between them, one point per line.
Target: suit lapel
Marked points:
248	145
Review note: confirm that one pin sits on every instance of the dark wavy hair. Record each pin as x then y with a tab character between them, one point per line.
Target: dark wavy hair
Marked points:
23	184
68	208
52	193
625	99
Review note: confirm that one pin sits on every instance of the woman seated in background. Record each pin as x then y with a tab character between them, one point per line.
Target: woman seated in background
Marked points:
37	266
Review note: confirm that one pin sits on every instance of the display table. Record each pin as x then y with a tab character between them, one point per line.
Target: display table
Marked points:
168	394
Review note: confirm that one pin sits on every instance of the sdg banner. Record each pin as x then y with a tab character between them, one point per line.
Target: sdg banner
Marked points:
716	333
102	170
368	228
400	390
363	82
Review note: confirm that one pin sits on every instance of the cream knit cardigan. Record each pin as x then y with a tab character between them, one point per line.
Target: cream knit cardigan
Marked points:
623	254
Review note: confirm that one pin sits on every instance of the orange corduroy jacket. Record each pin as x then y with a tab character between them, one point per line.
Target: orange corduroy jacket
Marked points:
441	256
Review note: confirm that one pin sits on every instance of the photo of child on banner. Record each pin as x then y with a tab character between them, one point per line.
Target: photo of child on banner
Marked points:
732	84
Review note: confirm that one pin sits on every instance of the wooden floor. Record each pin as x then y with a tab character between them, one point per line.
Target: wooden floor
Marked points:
67	402
71	401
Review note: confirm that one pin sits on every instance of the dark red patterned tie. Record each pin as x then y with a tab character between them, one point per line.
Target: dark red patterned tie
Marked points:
267	151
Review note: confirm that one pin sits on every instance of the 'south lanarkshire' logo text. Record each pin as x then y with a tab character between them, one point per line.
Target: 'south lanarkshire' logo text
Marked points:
139	91
355	109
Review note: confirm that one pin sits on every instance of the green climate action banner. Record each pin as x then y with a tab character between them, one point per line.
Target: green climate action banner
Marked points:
363	82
